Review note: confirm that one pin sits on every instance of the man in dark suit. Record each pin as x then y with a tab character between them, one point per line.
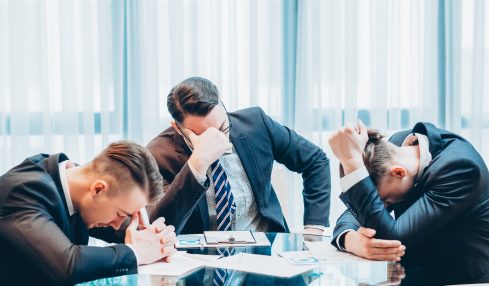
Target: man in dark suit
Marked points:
217	166
438	187
47	206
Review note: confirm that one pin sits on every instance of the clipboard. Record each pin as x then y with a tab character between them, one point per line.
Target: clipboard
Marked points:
229	237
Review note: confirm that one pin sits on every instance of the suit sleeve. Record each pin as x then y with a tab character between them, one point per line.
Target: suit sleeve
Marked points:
453	193
181	196
32	231
345	221
301	156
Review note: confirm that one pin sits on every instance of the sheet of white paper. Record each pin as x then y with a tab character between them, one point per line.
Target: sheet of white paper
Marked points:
181	263
299	257
198	241
326	253
260	264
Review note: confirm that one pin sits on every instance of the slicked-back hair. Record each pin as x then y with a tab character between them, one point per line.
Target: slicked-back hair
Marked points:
129	163
376	156
193	96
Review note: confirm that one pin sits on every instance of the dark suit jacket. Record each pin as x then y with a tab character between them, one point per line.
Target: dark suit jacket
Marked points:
259	141
40	244
443	220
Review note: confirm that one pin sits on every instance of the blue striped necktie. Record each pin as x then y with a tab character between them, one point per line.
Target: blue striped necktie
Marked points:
225	206
220	274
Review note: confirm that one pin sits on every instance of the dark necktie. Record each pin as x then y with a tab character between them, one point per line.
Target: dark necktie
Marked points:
225	206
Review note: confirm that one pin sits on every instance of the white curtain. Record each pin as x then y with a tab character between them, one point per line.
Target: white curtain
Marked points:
374	60
467	81
77	74
391	64
59	91
238	45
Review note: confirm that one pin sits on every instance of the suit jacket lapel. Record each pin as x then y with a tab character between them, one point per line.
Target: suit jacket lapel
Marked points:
433	135
53	170
179	143
77	233
248	160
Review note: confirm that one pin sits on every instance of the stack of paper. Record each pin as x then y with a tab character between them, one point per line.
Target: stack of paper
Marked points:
260	264
180	264
326	253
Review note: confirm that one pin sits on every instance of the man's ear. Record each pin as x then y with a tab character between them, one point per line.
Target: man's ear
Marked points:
99	187
398	172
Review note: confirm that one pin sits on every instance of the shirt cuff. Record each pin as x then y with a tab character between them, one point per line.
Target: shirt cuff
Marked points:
135	254
350	180
339	237
316	226
199	177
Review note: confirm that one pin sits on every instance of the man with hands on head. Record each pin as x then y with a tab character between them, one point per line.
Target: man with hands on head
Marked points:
49	207
217	166
436	184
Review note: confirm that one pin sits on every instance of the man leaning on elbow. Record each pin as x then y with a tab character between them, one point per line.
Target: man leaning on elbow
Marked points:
49	207
436	184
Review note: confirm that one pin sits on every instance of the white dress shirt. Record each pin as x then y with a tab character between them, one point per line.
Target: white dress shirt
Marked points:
66	190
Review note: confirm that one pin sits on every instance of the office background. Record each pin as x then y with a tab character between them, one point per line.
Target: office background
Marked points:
76	75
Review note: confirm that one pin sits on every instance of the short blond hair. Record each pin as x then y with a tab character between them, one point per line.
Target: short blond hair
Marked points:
129	163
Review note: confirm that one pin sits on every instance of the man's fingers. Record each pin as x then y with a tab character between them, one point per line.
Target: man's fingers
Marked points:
168	229
385	257
142	223
382	243
169	240
167	258
397	251
159	224
190	134
133	225
362	129
368	232
168	250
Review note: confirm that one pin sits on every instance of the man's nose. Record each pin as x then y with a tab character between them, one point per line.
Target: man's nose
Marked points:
116	223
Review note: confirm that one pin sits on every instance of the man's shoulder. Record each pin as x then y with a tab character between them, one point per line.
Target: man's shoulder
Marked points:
27	182
460	153
249	112
31	170
169	150
165	139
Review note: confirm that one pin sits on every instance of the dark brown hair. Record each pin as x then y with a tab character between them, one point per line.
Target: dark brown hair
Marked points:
377	153
194	96
129	163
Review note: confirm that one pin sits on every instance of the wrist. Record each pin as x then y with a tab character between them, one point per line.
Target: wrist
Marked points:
199	165
350	166
346	240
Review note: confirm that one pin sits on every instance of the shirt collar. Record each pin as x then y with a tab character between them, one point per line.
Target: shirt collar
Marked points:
66	190
424	150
